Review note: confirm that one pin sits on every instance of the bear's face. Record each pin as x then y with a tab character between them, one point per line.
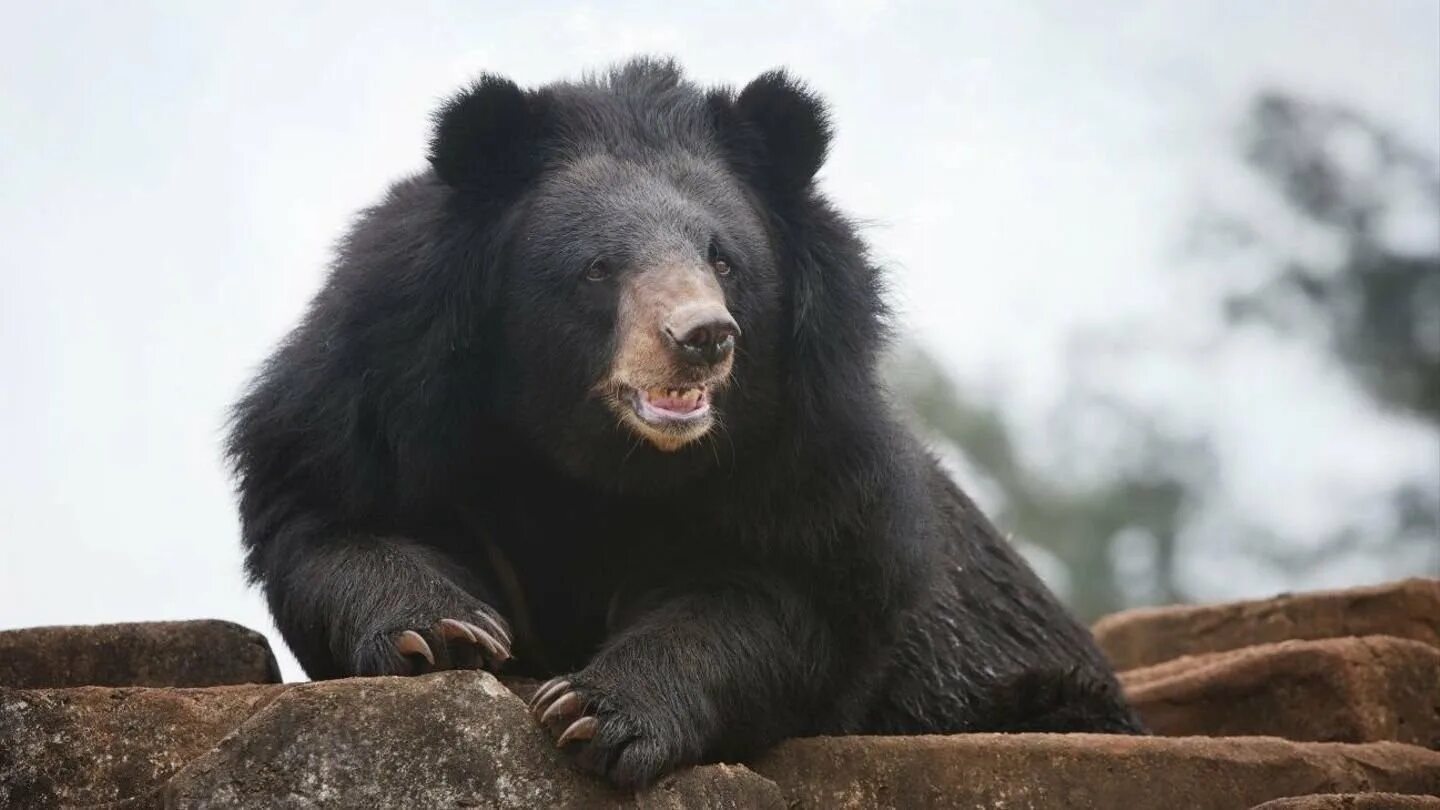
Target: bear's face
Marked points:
636	298
652	273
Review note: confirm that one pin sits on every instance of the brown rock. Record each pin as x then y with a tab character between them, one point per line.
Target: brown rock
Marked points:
1332	690
1353	801
461	739
1081	771
714	787
94	744
455	739
1407	609
197	653
452	739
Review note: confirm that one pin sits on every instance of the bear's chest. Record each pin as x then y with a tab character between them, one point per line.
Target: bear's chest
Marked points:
563	571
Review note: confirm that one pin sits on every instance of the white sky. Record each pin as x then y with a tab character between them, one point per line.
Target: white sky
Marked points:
173	175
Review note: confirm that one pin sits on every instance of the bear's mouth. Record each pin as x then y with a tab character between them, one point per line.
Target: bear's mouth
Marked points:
668	417
671	406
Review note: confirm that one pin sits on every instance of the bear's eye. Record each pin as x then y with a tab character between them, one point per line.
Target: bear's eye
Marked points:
597	270
717	260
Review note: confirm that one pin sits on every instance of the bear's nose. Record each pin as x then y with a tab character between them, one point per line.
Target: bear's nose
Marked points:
703	335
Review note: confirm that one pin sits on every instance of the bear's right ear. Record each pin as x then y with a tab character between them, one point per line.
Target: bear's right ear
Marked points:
776	131
487	137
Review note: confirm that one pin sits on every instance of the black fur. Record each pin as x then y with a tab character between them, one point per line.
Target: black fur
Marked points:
425	445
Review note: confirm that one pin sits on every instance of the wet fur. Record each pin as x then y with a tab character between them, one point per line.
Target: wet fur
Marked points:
427	442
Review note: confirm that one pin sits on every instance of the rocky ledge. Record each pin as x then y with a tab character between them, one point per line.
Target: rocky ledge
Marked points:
1324	700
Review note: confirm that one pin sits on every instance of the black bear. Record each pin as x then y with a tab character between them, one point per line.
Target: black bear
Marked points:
596	395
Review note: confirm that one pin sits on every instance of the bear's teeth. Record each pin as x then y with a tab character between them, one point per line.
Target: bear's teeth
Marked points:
676	396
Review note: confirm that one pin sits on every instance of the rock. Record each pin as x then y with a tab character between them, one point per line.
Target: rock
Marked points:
1080	771
1407	609
452	739
95	744
461	739
456	739
1332	690
195	653
721	787
1353	801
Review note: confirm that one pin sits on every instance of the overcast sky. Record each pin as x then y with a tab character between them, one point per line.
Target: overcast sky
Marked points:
172	177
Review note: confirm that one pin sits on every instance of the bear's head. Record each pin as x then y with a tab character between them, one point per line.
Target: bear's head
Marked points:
636	253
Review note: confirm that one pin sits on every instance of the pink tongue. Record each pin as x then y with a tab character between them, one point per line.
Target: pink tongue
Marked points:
676	404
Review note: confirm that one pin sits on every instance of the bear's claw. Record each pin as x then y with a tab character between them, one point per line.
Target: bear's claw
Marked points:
555	704
411	643
582	729
451	629
498	630
600	735
565	707
546	691
455	630
465	644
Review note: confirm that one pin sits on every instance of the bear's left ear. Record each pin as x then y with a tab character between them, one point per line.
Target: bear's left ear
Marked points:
776	130
487	138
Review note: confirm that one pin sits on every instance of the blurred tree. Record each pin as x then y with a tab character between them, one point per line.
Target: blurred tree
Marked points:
1098	528
1354	269
1342	250
1375	296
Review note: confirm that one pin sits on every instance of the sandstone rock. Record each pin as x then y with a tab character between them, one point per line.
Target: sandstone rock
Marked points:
1332	690
94	744
1353	801
713	787
461	739
452	739
1406	609
455	739
196	653
1081	771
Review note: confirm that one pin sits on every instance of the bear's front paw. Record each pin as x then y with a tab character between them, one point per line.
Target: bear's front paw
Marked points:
608	734
456	637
